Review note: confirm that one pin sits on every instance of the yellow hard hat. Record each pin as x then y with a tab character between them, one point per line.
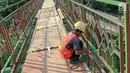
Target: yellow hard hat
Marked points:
80	25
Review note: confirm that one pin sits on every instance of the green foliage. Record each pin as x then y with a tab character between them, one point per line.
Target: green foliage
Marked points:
105	68
116	64
107	8
4	4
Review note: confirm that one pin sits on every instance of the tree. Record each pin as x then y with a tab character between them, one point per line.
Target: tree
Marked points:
4	3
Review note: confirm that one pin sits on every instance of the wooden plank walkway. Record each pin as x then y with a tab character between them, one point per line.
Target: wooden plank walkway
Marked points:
47	34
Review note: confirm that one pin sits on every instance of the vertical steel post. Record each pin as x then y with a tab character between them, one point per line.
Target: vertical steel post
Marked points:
129	1
121	50
9	40
71	8
97	31
83	16
5	38
83	12
127	38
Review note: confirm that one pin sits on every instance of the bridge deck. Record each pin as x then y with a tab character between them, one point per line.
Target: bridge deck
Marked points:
44	36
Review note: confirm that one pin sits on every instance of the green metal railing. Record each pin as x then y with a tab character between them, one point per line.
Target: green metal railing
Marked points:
15	4
5	11
128	1
106	35
15	33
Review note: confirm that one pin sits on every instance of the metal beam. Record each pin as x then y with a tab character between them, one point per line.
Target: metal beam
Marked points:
11	5
83	13
106	16
127	38
128	1
121	49
117	3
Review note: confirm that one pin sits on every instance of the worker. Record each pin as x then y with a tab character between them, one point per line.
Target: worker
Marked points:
71	47
56	4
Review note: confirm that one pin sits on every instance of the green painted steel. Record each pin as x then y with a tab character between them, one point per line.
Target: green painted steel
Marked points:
128	1
105	36
11	5
102	15
17	37
117	3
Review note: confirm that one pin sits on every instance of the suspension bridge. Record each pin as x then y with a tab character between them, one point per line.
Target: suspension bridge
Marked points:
29	37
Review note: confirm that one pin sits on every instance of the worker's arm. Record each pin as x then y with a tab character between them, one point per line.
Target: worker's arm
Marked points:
85	50
77	47
79	52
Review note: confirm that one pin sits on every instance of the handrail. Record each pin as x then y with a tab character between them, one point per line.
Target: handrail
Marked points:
7	17
36	5
117	3
71	23
100	31
7	7
109	17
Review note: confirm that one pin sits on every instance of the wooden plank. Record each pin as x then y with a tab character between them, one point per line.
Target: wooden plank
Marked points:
44	61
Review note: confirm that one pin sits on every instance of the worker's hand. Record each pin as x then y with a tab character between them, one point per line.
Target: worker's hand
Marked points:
86	50
90	54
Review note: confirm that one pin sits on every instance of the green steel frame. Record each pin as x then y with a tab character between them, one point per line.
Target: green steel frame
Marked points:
15	32
106	34
129	1
15	4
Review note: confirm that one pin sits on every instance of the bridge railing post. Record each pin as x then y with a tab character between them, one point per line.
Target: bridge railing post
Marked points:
127	38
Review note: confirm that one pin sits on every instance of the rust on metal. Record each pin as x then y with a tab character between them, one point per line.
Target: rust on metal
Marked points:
83	14
71	8
21	50
121	50
128	38
97	32
8	38
5	38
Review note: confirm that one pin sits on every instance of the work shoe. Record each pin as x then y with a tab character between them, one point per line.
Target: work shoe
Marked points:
77	62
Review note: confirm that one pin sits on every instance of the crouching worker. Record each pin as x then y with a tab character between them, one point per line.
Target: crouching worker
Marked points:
71	47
